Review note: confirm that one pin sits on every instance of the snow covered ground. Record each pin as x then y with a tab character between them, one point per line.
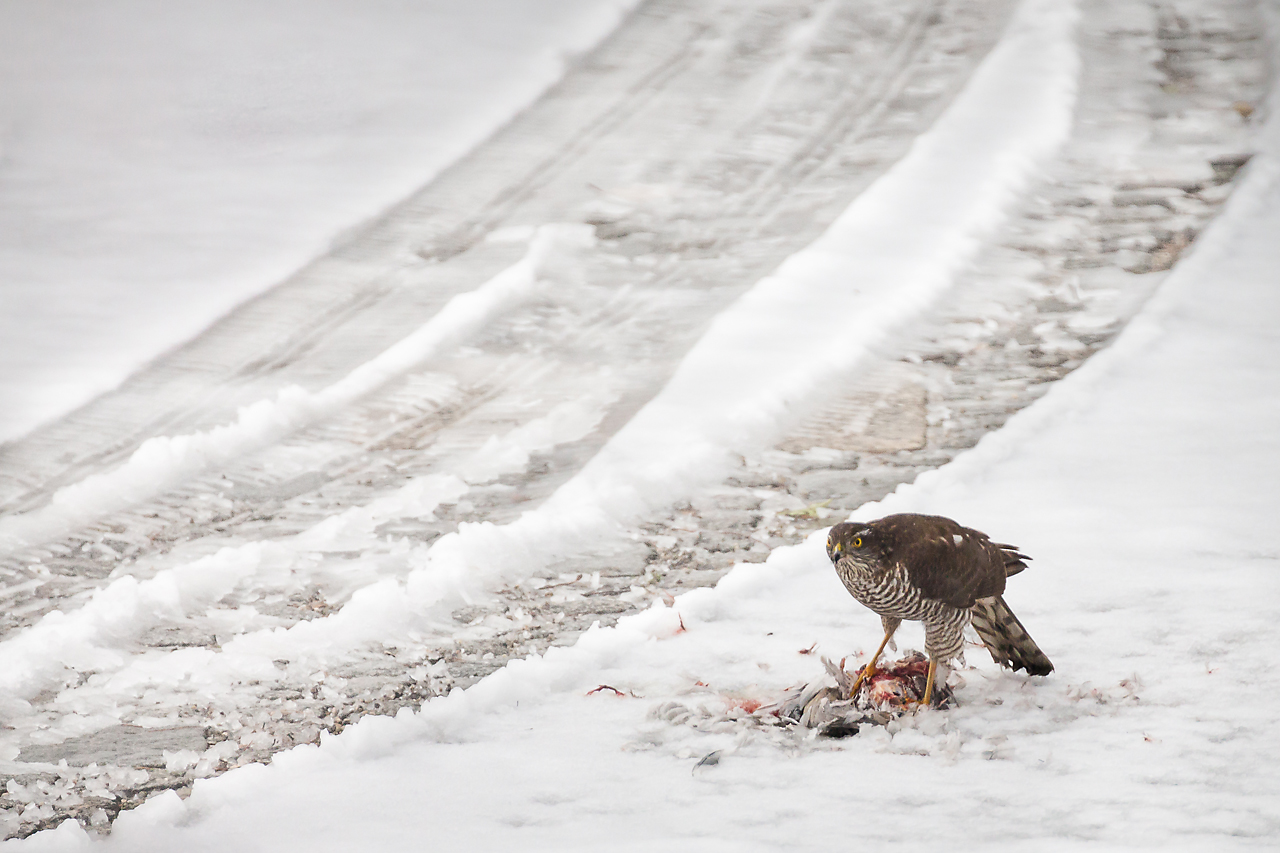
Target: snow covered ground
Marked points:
1143	486
160	164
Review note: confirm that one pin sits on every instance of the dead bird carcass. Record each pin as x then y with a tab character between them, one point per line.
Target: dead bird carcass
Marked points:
830	706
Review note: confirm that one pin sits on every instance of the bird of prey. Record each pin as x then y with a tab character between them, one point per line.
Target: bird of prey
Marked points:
929	568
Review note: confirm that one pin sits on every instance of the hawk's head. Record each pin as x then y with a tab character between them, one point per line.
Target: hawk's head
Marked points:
849	540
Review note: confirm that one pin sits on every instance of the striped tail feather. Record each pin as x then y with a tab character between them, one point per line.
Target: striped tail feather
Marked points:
1009	643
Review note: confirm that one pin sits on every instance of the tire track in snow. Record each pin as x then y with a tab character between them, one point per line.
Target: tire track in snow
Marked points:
165	461
653	286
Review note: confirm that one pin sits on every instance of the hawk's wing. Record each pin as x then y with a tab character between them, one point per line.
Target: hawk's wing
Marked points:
953	564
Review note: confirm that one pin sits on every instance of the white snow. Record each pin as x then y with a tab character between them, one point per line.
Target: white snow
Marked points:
819	313
894	249
162	163
1144	486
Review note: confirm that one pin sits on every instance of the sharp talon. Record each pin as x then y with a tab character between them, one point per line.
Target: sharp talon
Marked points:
867	671
914	706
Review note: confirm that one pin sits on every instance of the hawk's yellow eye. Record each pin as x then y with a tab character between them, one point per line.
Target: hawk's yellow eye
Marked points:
857	541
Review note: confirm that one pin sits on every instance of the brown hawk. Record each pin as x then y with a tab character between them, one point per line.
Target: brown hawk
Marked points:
929	568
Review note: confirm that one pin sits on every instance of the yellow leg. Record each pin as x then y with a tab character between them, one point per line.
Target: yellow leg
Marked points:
870	669
928	684
926	702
